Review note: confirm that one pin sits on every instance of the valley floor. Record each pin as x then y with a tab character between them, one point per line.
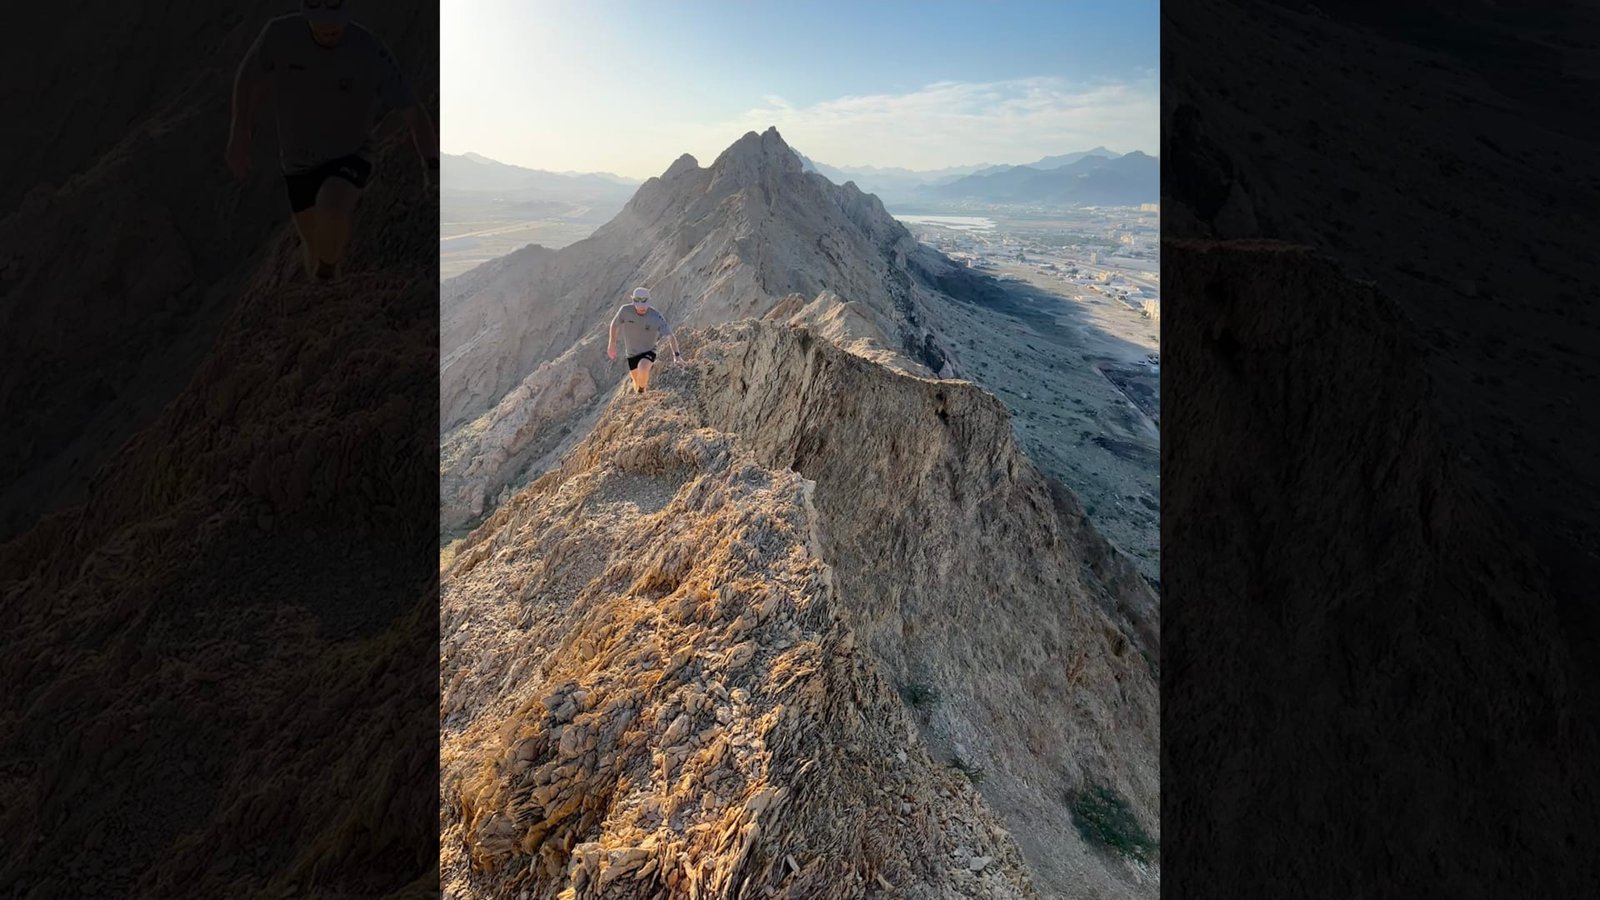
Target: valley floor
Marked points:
474	230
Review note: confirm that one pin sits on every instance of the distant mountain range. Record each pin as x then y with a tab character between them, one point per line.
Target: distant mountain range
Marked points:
1091	179
475	173
879	180
1095	177
1048	162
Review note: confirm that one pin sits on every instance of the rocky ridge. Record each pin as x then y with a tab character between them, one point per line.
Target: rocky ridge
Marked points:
681	656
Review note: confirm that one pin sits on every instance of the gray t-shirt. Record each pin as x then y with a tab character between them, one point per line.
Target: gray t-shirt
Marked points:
327	100
640	333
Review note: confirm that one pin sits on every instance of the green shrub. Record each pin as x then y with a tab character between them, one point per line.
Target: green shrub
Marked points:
1103	818
920	696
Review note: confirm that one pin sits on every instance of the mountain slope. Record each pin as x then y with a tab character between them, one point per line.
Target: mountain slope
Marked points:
819	531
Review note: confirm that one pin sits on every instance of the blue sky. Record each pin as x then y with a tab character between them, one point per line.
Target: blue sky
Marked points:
626	85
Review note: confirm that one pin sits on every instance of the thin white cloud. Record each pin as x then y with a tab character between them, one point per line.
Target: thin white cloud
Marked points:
956	123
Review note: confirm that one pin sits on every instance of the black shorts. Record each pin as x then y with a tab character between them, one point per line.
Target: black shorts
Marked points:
303	186
633	361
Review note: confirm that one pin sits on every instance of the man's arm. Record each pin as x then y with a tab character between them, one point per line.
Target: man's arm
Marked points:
249	84
672	337
424	136
611	342
397	94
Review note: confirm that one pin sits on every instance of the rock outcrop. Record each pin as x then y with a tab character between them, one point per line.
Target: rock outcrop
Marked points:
794	621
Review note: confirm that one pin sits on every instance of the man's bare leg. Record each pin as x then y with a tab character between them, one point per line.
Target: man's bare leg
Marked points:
641	375
305	222
336	205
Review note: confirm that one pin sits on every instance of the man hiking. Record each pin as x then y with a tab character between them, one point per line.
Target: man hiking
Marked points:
642	327
331	82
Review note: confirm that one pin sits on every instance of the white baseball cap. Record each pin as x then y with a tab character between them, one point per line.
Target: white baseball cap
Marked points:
641	293
325	12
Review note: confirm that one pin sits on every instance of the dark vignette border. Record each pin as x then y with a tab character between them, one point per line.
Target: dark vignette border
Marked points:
218	580
1378	535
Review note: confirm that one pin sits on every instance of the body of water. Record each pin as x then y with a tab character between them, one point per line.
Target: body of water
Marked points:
957	223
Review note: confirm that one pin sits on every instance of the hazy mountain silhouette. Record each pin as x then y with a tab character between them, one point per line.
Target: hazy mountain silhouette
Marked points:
473	172
1092	179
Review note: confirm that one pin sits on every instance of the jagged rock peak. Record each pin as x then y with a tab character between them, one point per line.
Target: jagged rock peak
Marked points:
759	151
684	163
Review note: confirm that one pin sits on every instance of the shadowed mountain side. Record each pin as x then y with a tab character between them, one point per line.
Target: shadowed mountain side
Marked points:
244	573
1413	601
622	706
1466	188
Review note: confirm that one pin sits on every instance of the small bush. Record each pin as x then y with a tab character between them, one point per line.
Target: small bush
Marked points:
1103	818
920	696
